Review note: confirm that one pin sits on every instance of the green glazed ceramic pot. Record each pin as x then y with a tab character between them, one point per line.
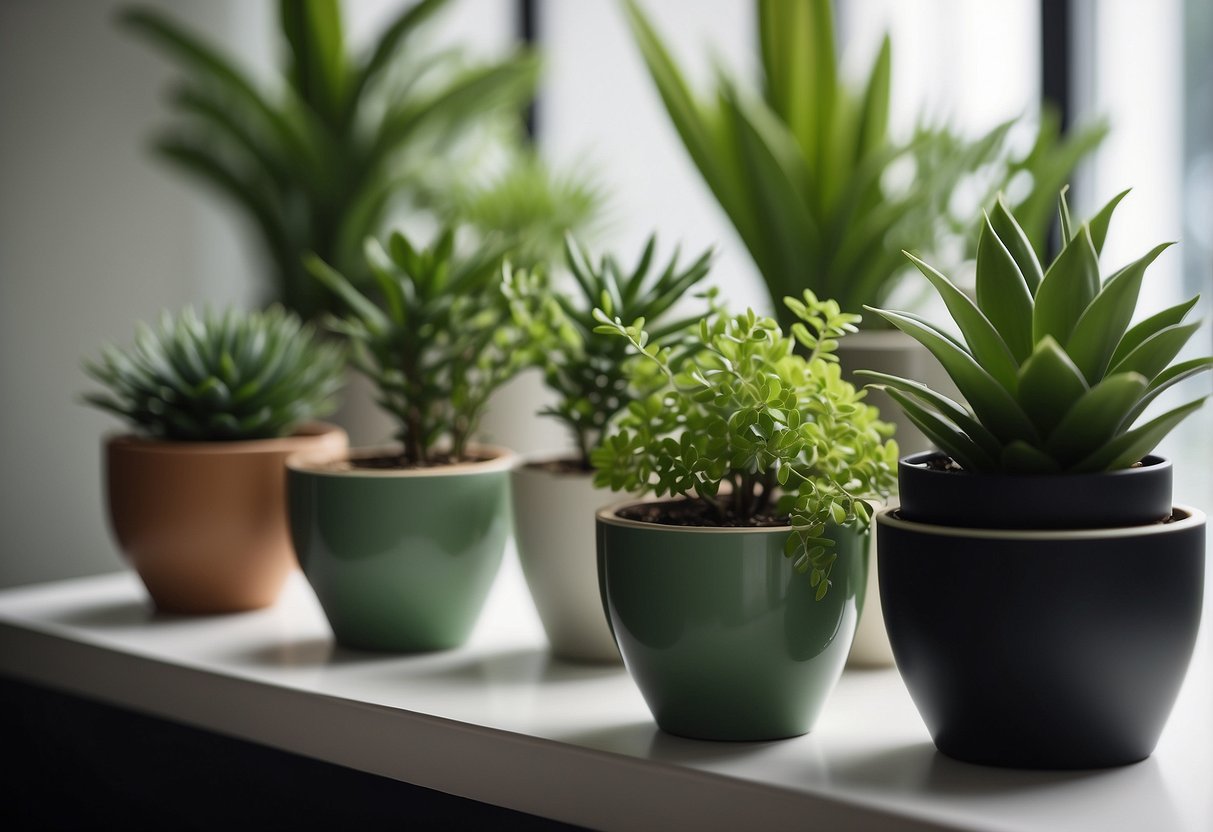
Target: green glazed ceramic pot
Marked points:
721	634
401	560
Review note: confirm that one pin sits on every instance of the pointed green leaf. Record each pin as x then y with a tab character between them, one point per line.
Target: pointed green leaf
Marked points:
947	408
1063	210
1003	294
1150	326
1167	379
1049	385
1068	288
1012	236
1129	448
950	439
1103	324
983	339
993	405
1095	418
1154	354
1099	222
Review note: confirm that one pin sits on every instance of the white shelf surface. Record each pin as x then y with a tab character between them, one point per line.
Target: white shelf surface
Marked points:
501	722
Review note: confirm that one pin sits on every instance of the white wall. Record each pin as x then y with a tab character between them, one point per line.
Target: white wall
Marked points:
95	235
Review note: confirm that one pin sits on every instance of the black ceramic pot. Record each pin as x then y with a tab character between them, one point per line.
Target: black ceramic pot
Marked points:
1043	649
1131	497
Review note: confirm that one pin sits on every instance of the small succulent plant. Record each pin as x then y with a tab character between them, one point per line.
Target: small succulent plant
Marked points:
587	371
1055	377
751	428
439	344
213	377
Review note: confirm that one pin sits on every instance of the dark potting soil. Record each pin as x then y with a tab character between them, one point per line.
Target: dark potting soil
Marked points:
695	513
571	465
946	463
395	462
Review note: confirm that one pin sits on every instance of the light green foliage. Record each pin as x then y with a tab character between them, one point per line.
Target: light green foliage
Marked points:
752	427
532	205
806	172
586	371
211	377
1054	377
317	163
437	346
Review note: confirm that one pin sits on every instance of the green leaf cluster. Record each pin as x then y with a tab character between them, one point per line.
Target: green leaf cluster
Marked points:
1054	376
588	372
439	342
526	201
317	164
752	427
806	172
211	377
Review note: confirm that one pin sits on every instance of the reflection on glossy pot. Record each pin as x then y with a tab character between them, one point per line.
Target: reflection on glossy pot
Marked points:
721	634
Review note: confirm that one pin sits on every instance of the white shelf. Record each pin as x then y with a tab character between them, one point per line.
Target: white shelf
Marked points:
500	722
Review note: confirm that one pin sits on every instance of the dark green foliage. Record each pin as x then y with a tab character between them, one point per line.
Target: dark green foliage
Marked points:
317	164
437	346
802	171
754	428
584	369
1054	377
239	375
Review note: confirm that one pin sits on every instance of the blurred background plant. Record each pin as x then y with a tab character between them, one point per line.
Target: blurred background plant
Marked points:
820	192
319	164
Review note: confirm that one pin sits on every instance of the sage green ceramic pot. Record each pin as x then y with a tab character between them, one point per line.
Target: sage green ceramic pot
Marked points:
721	634
400	560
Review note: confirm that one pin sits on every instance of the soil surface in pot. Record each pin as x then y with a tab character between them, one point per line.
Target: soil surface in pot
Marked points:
395	462
696	513
567	465
946	463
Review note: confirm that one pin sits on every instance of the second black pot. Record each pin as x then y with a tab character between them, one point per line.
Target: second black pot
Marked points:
1043	649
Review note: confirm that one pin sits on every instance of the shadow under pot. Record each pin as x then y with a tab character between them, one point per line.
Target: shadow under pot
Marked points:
554	509
719	631
204	523
1043	648
400	559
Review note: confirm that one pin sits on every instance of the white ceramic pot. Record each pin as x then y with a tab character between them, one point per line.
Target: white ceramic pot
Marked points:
871	648
554	529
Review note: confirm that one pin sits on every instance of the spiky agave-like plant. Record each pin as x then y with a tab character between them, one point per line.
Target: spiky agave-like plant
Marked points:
586	371
212	377
1054	376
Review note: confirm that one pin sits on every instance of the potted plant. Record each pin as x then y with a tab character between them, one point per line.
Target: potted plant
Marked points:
1041	590
734	599
216	404
319	163
402	543
807	171
555	497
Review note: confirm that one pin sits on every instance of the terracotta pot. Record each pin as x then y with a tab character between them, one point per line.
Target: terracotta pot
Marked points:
204	523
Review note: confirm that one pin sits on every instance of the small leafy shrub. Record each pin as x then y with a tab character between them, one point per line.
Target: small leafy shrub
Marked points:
752	428
1054	376
439	344
211	377
587	371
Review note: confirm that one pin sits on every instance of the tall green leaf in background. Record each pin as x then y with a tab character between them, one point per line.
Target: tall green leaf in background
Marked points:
318	163
800	169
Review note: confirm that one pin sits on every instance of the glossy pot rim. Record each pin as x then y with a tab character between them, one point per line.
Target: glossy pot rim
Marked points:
1153	464
1194	517
502	460
609	516
298	442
